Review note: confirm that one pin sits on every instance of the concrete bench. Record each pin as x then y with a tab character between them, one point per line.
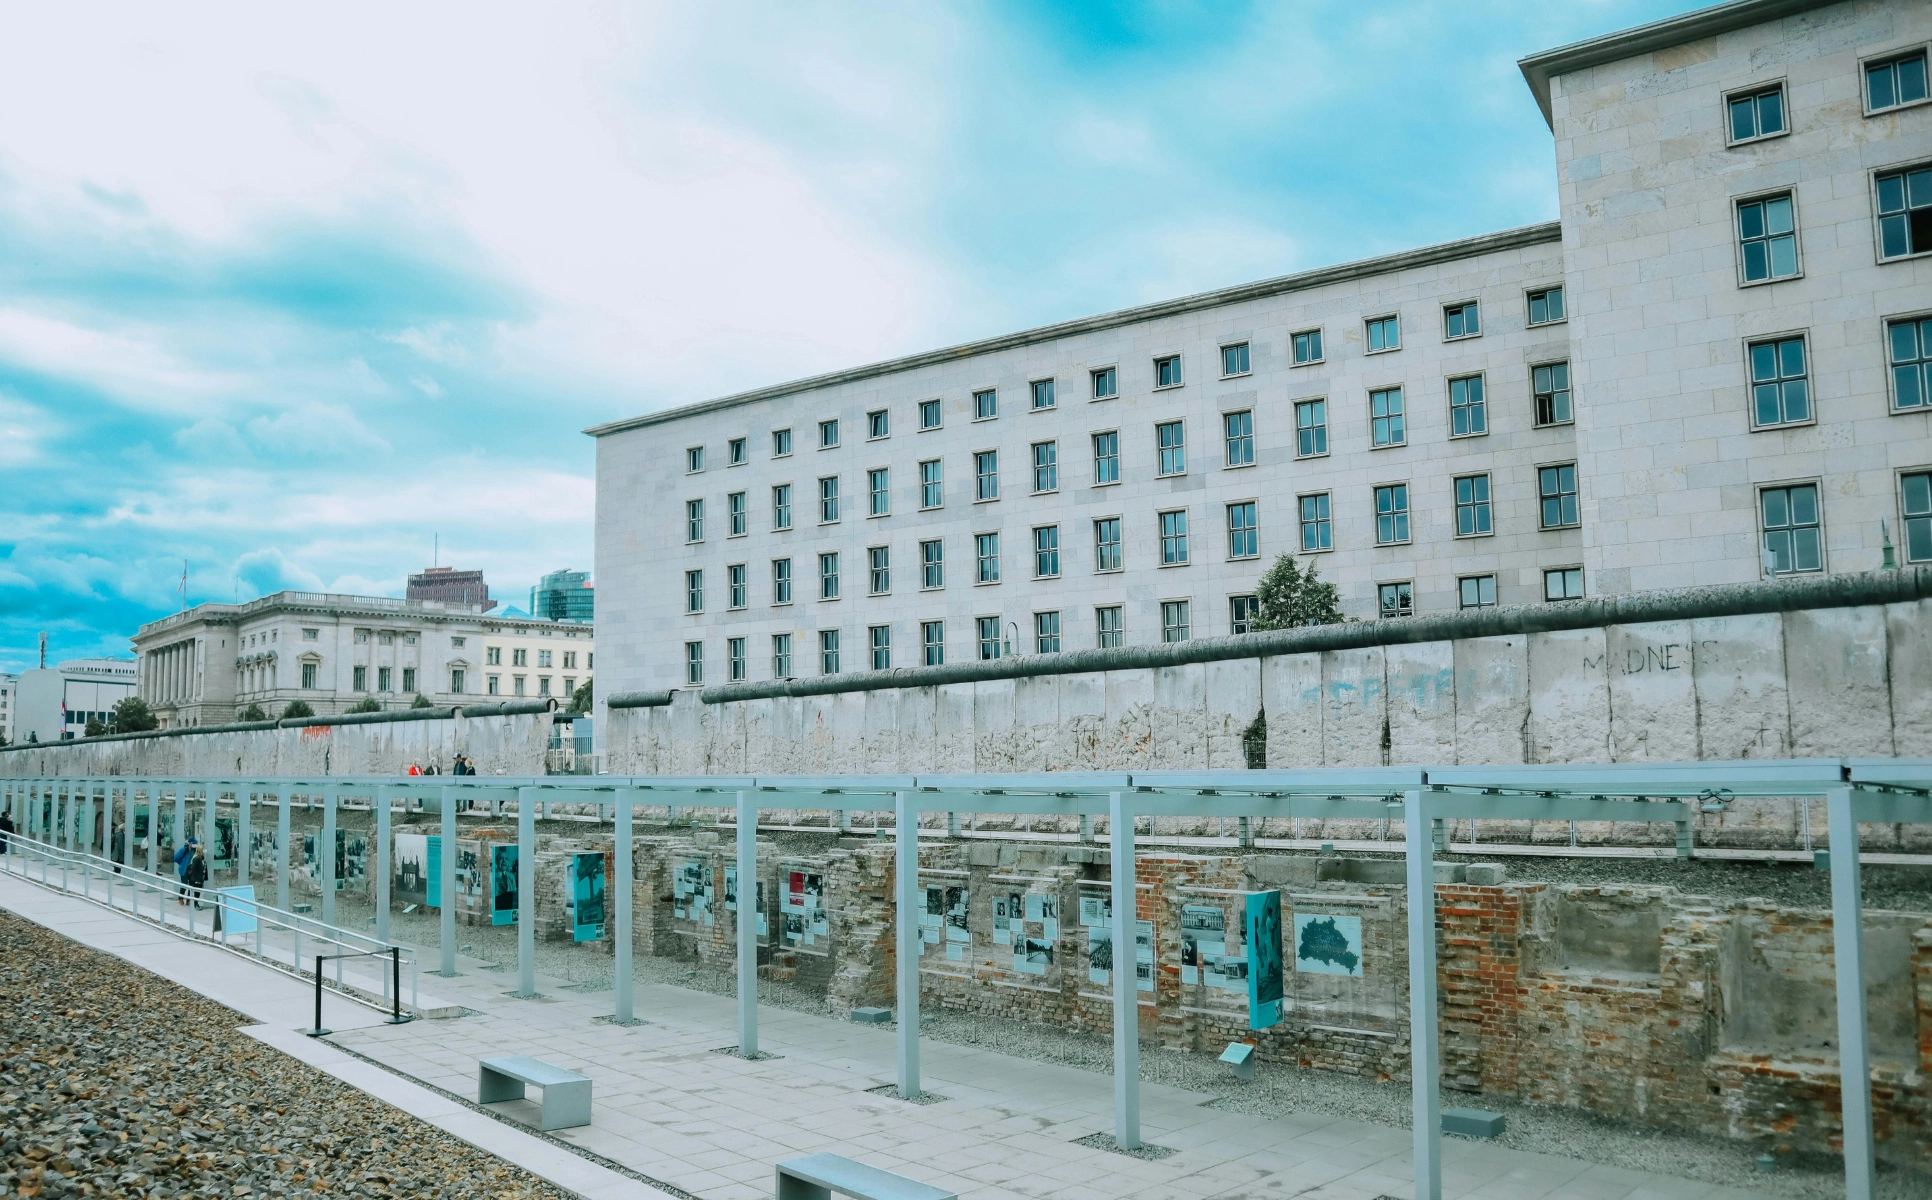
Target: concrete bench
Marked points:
566	1094
817	1176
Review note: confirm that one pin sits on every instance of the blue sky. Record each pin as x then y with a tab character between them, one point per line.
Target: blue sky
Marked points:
285	295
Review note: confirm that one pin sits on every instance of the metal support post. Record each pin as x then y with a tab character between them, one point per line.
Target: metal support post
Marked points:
1848	954
1086	827
281	849
952	824
1120	832
210	793
180	838
905	894
747	925
383	866
622	890
446	884
244	831
154	828
1425	1073
526	891
325	854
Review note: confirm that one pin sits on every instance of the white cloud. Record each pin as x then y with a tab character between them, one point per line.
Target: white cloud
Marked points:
22	429
315	429
131	365
209	438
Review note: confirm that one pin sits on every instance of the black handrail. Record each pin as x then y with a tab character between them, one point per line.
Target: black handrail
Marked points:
395	987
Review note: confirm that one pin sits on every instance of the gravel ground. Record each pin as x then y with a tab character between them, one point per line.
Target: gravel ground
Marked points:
114	1082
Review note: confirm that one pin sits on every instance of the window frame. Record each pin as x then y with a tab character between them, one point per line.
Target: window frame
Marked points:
878	500
737	515
1105	636
1112	374
938	408
1247	346
1051	466
1485	508
1904	170
1093	443
828	580
694	664
1542	497
1184	605
1891	367
1324	522
829	652
779	507
879	649
1252	531
874	419
1033	394
1377	320
1789	192
1549	571
829	501
932	650
1381	612
1474	302
927	566
1751	382
1041	553
996	643
1237	624
1462	600
736	668
1321	347
1817	484
781	656
1754	91
782	582
1323	426
878	569
1886	56
694	460
1480	407
1118	544
1569	387
693	521
1180	373
1228	440
981	558
992	415
1404	515
783	436
737	451
1040	634
1180	447
980	477
1177	540
737	586
1529	298
937	485
1402	399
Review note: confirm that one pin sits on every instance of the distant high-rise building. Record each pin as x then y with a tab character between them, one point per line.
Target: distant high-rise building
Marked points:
447	585
564	596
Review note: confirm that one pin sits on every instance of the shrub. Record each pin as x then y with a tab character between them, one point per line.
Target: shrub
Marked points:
297	709
1289	597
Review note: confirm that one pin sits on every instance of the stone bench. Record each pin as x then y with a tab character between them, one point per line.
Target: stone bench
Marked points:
817	1176
566	1094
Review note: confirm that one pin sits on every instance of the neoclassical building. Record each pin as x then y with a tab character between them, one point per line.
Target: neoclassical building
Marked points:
1716	365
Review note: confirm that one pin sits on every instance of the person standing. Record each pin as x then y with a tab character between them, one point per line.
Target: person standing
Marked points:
117	845
6	833
182	857
195	876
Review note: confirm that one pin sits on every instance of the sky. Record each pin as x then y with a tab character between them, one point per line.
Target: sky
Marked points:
309	297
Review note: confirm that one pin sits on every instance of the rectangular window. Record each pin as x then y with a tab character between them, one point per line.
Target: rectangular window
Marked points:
519	658
1386	425
309	673
739	579
734	656
1234	359
828	499
1916	503
1910	345
932	564
1477	591
1311	428
1239	428
828	576
694	591
694	520
1174	620
311	635
1106	383
1894	82
1308	347
781	506
737	450
879	569
987	549
877	423
694	459
828	651
1042	392
1170	438
1472	506
1467	414
1780	385
989	637
1396	599
1167	371
1244	540
986	475
409	679
1106	457
1046	466
1460	321
932	642
1111	633
929	414
1905	212
545	658
1384	333
735	510
1563	583
781	656
986	405
493	656
1392	514
1046	552
1556	487
1767	239
1106	544
1242	611
693	663
781	443
1546	306
1550	384
493	686
880	638
570	660
878	491
1317	531
781	581
932	484
1046	633
456	682
1174	538
1792	540
828	434
517	684
1755	114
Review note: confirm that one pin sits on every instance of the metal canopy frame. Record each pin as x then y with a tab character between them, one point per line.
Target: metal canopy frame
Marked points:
1854	790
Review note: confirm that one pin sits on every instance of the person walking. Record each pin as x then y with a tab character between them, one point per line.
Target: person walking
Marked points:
6	833
184	855
195	876
117	845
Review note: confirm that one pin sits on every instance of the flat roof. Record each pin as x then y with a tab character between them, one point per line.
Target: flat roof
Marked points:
1508	239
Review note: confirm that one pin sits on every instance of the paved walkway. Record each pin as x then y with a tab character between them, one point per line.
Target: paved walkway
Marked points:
671	1108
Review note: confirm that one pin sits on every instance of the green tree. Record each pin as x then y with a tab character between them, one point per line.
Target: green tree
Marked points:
580	699
421	701
93	728
133	715
366	704
297	709
1289	597
252	713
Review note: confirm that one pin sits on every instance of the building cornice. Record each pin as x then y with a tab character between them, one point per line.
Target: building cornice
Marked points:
1488	243
374	609
1539	69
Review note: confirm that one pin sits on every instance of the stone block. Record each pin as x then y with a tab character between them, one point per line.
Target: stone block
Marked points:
1472	1122
1485	874
872	1016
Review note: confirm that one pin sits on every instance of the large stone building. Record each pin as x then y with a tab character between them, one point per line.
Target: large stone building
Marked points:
1716	365
206	665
